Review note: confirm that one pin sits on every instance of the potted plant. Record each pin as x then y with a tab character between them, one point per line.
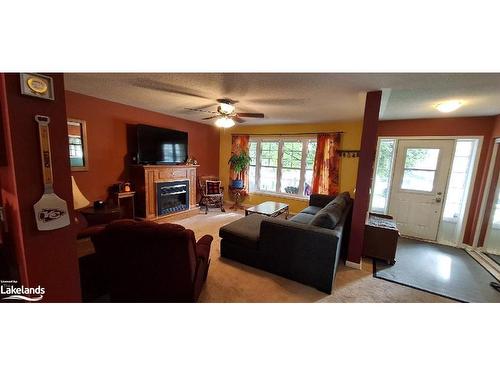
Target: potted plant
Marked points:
239	162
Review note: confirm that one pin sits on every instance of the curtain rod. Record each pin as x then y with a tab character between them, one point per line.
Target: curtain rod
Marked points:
312	133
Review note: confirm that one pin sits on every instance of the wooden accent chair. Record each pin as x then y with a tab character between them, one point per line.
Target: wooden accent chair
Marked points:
212	192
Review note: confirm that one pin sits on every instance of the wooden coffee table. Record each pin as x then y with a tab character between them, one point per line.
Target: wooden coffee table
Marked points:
271	209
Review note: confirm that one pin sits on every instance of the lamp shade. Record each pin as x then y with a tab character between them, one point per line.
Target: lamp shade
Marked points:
79	200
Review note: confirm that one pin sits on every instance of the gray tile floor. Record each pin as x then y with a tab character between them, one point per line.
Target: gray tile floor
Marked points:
439	269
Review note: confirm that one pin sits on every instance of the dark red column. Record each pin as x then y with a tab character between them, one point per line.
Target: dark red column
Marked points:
365	172
48	258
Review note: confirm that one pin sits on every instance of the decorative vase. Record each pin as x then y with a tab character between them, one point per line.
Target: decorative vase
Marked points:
237	184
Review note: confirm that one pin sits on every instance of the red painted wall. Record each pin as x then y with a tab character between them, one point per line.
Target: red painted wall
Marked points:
107	140
464	126
47	258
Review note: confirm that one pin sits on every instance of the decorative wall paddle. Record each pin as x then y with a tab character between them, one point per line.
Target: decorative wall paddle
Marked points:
51	212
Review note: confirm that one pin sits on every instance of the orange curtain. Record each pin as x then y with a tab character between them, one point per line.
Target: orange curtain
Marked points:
239	144
326	172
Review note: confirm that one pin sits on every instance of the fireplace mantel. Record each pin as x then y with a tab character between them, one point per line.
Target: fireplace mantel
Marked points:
145	178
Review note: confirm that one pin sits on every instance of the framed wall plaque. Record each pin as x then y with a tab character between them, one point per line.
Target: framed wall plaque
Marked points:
37	85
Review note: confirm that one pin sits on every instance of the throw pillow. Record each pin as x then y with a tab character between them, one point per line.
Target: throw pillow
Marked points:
323	219
329	216
340	200
335	212
212	187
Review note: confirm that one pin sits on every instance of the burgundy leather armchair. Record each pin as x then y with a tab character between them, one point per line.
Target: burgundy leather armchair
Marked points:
84	229
150	262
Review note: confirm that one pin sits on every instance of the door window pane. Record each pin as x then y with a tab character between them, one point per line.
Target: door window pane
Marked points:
418	180
420	169
421	158
383	175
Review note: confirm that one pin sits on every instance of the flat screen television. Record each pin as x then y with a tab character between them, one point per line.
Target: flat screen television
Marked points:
161	146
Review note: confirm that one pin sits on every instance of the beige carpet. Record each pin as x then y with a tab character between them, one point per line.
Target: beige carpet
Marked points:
230	281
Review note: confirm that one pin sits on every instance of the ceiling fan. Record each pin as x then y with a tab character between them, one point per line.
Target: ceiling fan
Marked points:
226	115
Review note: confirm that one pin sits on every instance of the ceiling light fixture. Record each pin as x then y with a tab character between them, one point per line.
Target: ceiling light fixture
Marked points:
226	108
224	122
449	106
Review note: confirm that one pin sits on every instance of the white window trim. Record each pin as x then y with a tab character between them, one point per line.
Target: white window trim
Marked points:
281	139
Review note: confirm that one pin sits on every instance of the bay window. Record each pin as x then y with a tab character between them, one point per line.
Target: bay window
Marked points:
282	165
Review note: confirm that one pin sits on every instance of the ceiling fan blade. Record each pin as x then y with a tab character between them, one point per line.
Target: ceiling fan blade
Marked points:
239	120
166	87
283	101
205	106
227	100
209	118
255	115
201	110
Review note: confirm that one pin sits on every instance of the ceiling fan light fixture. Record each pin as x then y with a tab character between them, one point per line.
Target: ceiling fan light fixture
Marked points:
449	106
224	122
226	108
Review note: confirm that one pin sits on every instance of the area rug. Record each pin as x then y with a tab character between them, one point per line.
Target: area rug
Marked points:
438	269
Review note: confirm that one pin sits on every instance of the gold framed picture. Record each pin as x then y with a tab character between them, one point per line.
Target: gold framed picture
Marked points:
37	85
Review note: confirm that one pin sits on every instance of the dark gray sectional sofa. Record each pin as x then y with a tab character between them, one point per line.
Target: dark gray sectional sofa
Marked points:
306	248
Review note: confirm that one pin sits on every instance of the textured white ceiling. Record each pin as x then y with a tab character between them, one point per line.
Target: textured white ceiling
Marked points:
295	97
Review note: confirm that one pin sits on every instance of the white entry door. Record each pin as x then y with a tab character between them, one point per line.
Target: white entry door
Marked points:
417	194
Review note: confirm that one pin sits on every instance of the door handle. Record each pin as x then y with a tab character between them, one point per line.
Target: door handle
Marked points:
439	197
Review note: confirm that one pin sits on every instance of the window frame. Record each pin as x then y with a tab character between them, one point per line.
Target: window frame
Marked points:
281	140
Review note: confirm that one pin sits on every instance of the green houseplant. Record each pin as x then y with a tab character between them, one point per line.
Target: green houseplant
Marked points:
239	162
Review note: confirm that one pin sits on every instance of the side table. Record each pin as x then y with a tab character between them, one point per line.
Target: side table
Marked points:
126	200
99	216
381	238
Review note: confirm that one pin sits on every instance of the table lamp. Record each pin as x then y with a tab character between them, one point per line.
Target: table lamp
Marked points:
79	200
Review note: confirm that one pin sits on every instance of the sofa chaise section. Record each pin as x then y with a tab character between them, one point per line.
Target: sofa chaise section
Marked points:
294	248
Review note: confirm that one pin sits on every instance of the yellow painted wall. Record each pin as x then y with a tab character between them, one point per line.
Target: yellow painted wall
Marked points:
350	140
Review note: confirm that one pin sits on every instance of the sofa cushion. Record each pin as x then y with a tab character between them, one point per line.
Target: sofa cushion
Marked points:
311	210
244	231
302	218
